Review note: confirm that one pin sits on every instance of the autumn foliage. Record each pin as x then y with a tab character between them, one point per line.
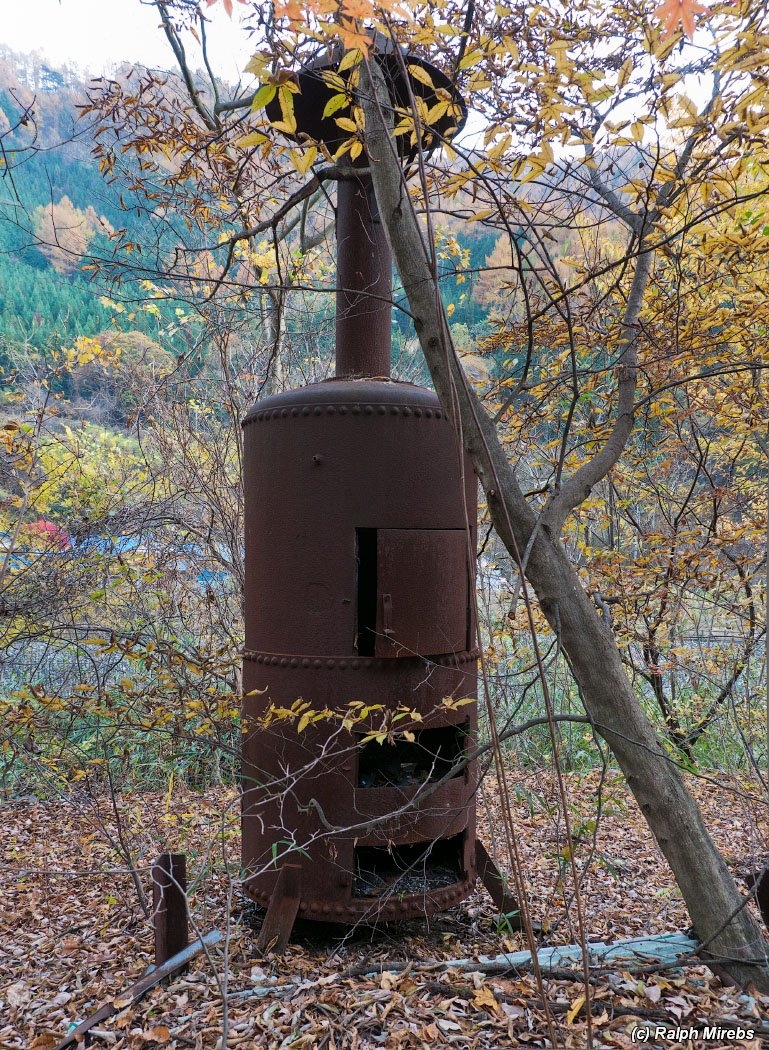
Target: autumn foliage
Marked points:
64	233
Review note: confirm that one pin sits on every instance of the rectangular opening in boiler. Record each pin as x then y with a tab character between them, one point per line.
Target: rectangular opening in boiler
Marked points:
418	867
366	558
406	763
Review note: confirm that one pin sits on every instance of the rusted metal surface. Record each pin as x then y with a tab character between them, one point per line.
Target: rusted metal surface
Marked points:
324	464
492	879
433	564
363	283
351	487
758	882
282	910
169	905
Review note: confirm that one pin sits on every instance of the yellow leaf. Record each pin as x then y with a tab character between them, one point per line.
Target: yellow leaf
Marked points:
302	160
352	58
263	96
624	74
575	1008
255	138
600	93
333	81
286	99
336	102
257	64
420	74
436	112
346	124
472	58
484	999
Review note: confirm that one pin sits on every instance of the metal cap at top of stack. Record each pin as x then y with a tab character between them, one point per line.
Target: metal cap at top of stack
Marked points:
409	79
423	97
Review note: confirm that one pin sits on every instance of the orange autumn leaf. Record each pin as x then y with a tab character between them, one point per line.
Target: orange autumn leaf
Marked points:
293	10
484	999
673	12
160	1033
353	37
357	9
227	5
349	18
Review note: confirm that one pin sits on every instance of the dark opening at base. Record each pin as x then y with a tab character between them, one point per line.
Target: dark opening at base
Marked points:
405	763
415	868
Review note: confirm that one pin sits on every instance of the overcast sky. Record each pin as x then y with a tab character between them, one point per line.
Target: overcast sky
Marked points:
95	34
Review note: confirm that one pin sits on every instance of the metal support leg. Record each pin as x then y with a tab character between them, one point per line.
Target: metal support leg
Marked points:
492	879
282	910
758	881
169	905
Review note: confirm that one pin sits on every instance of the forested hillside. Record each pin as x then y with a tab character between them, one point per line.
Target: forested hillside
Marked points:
61	221
56	213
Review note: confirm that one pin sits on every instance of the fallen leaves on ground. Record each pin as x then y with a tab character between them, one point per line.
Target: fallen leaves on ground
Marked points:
74	935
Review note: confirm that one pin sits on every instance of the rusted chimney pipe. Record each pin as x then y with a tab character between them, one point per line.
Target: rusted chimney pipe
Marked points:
363	284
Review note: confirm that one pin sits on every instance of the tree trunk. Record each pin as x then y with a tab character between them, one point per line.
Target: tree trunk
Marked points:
732	941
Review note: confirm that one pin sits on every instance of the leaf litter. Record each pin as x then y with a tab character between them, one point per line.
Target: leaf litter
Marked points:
74	934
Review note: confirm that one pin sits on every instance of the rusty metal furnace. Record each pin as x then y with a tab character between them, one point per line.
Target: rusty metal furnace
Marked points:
360	568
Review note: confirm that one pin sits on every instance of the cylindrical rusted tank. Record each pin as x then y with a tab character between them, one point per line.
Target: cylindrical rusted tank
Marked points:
360	542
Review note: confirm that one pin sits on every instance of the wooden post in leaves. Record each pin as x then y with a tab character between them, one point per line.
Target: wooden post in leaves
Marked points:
169	905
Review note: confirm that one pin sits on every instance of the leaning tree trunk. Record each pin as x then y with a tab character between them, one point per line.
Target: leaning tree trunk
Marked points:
732	940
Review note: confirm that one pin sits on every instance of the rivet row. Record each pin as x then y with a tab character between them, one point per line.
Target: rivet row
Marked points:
356	409
318	663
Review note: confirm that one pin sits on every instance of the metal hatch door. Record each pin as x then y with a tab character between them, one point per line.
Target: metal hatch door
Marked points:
422	592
